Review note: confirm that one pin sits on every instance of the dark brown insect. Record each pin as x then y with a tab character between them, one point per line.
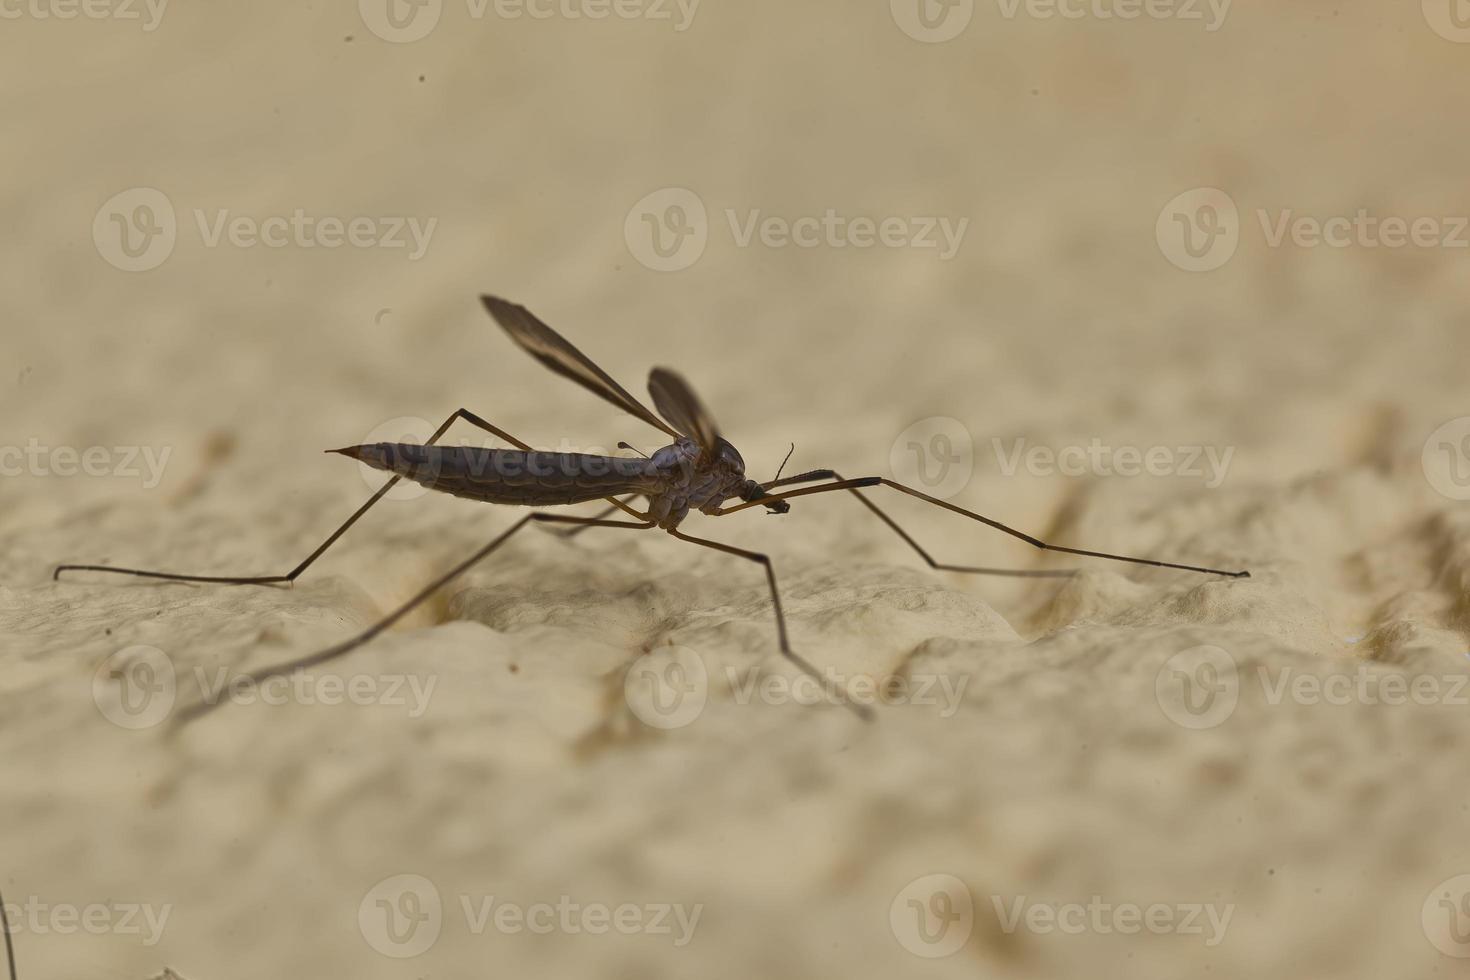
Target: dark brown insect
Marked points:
699	470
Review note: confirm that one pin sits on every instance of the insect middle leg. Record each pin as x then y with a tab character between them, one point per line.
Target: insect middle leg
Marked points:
306	562
333	652
862	711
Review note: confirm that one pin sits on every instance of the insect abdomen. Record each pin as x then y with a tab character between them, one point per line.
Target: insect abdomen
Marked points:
510	476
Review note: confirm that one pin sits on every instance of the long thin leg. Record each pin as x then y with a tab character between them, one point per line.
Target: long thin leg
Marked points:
578	529
873	481
9	950
292	575
333	652
938	566
862	711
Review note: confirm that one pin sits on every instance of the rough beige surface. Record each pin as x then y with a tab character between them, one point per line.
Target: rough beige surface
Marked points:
1321	829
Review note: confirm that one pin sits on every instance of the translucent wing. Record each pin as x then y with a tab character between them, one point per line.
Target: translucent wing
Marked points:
553	350
678	403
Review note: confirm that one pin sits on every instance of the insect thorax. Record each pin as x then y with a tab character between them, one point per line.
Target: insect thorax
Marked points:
694	480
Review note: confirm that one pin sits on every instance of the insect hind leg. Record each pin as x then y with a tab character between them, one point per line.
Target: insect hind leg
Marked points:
294	573
576	529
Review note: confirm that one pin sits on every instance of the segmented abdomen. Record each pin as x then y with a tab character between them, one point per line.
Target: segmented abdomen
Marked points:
511	476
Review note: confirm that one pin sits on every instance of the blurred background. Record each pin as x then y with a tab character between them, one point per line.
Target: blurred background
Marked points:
914	238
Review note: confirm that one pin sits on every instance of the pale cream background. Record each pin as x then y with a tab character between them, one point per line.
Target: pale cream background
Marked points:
1060	320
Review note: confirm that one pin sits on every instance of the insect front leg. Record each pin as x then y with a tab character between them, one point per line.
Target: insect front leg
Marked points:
874	481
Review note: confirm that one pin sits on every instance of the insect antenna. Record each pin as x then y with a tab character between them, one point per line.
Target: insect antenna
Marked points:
624	445
777	477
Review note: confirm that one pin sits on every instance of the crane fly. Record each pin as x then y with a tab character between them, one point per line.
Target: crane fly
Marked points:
698	470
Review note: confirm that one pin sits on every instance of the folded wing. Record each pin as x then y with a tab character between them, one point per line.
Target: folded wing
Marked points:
678	403
553	350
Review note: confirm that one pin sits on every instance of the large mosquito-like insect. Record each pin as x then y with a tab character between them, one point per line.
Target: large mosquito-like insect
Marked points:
699	470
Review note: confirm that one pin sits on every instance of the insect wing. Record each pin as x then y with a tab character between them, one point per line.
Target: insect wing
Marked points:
554	351
678	403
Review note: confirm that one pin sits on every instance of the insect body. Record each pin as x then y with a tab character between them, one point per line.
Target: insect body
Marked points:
675	479
698	471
